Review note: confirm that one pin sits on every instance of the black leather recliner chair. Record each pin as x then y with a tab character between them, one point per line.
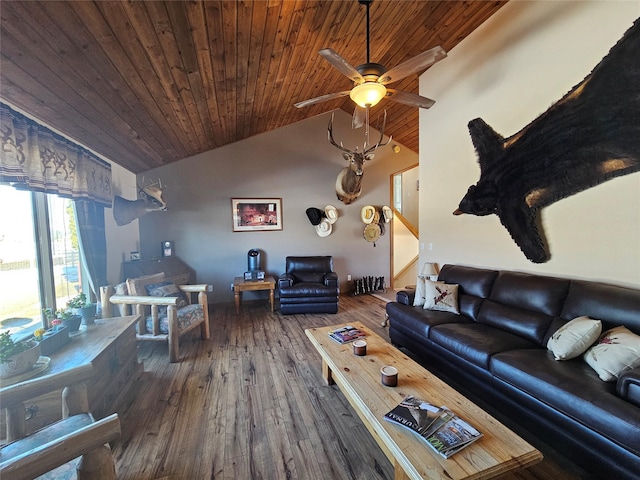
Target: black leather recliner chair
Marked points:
309	286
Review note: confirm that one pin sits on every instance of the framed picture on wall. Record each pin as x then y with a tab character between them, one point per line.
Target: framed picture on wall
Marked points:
256	214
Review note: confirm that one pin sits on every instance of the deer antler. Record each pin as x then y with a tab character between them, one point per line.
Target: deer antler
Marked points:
332	141
368	150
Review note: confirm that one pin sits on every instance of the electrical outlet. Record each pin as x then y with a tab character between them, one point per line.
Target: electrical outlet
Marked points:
348	278
232	287
209	288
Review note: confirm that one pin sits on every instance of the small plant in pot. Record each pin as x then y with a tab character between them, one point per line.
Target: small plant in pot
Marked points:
80	306
17	357
64	317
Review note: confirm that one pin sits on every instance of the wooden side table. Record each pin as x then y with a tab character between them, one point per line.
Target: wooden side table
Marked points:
240	285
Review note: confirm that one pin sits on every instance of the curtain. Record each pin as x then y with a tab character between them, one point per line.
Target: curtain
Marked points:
92	242
35	158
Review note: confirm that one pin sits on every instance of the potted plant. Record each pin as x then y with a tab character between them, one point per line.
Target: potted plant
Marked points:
80	306
17	357
63	317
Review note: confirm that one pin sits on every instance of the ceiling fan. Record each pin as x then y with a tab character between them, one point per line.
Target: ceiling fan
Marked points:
370	79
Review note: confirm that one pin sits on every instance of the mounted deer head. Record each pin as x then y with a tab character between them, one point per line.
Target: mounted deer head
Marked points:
349	181
150	200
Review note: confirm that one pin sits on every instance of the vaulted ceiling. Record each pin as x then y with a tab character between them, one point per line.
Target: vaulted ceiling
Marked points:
146	83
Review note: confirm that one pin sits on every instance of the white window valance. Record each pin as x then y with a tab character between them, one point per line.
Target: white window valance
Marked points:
35	158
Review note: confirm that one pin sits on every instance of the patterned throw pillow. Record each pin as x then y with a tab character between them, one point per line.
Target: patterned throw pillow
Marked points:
167	289
441	296
616	351
574	338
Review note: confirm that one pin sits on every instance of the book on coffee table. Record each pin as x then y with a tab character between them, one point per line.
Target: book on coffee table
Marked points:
443	430
346	334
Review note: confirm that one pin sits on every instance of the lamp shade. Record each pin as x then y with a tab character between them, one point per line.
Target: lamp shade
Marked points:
428	270
368	93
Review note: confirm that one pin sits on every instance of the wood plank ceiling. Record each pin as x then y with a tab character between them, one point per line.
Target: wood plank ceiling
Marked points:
146	83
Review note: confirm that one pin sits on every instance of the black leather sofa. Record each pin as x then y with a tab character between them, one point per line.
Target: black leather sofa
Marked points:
495	350
309	285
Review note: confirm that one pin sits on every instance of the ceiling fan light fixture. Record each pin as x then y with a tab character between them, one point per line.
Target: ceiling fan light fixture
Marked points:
368	93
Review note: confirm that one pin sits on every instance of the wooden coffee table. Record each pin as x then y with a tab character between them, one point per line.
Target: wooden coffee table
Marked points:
241	285
499	451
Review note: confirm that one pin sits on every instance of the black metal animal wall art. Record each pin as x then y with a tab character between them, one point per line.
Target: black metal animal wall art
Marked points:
349	181
590	136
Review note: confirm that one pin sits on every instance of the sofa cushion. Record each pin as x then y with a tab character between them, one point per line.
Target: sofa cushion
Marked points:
166	289
612	304
572	388
473	281
304	289
137	286
530	325
187	316
308	276
475	342
616	351
530	292
416	321
441	296
574	338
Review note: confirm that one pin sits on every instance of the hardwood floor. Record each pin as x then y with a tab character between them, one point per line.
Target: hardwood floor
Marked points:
250	404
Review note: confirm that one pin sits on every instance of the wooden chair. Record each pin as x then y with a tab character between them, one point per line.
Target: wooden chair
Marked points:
156	325
77	434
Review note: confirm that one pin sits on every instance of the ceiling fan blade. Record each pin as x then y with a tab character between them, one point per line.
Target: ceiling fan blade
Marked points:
413	65
321	98
344	67
409	98
359	117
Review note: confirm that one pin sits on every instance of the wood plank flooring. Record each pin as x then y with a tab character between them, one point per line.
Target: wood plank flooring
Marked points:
249	404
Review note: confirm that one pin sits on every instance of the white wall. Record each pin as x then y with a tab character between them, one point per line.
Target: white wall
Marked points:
508	72
295	163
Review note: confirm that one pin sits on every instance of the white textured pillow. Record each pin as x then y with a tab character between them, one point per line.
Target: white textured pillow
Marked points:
418	300
574	337
441	296
617	351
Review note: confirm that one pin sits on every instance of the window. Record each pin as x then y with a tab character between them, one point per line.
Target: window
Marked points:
39	257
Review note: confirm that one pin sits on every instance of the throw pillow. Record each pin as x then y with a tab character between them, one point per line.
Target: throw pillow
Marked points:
121	289
136	286
167	289
574	337
441	296
616	351
418	299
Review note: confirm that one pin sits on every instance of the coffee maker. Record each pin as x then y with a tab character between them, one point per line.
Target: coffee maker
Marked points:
253	265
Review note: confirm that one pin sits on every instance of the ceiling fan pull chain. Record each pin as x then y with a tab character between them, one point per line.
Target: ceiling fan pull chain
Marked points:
366	129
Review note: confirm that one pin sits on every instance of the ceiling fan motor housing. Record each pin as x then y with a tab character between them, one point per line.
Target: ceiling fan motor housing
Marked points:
370	70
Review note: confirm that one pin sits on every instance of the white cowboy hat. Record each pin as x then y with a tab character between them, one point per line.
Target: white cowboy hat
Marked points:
331	213
372	232
387	213
367	213
323	229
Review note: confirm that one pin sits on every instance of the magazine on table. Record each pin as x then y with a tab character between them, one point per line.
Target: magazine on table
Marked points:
443	430
346	334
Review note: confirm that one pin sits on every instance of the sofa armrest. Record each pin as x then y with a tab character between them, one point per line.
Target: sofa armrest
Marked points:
285	280
628	386
406	297
330	279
